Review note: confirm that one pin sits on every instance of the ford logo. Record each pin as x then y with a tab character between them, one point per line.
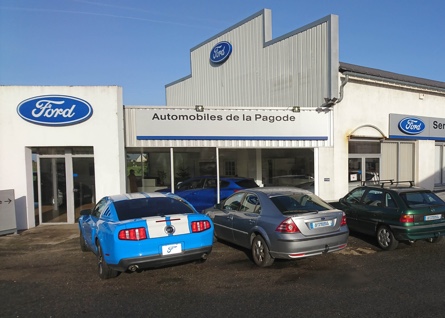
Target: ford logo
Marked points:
169	229
411	125
55	110
220	52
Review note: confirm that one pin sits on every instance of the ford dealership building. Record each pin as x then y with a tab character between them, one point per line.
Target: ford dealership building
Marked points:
280	111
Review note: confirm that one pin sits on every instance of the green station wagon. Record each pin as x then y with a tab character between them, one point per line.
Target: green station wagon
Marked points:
393	212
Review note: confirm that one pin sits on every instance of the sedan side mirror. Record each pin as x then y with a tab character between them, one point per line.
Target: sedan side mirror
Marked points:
343	201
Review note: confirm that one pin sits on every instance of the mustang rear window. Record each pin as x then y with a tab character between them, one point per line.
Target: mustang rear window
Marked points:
141	208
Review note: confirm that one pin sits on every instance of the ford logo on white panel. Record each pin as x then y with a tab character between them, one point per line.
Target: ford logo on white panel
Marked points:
55	110
220	52
411	125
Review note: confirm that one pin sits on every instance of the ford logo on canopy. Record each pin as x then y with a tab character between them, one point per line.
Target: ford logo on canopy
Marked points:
411	125
55	110
220	52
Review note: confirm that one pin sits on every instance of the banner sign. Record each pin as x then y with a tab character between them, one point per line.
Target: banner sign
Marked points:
189	124
416	127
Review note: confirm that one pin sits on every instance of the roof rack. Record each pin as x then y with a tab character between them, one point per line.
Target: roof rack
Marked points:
392	182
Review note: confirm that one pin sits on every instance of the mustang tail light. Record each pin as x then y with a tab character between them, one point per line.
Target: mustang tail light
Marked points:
135	234
406	218
200	226
287	226
343	219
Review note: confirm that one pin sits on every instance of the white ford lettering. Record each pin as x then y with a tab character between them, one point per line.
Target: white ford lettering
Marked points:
45	108
412	124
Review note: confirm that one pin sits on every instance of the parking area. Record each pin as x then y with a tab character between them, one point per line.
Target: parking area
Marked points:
43	273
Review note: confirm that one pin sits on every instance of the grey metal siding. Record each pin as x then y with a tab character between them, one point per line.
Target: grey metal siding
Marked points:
296	69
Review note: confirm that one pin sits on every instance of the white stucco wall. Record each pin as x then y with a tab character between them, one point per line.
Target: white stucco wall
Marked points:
425	155
370	103
104	131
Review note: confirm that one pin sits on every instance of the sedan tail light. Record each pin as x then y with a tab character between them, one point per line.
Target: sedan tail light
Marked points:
136	234
200	226
406	218
287	226
343	219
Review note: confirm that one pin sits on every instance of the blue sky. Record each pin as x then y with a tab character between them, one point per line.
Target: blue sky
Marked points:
142	45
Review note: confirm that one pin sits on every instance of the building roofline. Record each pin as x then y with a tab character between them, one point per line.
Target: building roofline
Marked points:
347	68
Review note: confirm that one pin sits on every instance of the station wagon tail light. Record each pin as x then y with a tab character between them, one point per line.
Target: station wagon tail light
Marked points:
136	234
200	226
287	226
407	218
343	219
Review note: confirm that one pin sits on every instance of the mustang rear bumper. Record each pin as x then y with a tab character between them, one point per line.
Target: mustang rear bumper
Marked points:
153	261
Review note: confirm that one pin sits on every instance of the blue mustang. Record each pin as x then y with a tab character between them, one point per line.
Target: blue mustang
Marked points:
131	232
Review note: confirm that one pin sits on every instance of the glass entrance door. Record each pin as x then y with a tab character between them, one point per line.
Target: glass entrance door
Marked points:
363	169
64	184
52	190
83	184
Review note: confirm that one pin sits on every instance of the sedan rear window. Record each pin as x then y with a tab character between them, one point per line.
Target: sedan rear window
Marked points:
299	203
141	208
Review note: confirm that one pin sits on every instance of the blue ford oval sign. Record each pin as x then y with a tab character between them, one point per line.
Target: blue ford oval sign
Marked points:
55	110
411	125
220	52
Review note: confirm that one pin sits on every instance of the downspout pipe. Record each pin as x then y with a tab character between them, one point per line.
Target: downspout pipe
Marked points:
330	102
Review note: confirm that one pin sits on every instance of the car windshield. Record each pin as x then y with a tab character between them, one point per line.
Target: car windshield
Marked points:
415	199
247	183
140	208
299	203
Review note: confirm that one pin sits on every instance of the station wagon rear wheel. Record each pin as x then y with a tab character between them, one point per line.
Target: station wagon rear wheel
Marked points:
103	270
434	239
260	252
386	239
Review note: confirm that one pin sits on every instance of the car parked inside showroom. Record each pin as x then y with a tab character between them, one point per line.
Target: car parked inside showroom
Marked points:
279	222
394	211
201	191
132	232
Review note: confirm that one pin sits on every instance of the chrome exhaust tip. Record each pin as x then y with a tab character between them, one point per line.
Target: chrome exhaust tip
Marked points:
133	268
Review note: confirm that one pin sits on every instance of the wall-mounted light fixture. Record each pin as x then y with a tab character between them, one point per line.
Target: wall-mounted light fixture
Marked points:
296	109
199	108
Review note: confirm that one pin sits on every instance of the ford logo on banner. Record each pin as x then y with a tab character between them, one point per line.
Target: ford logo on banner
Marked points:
411	125
55	110
220	52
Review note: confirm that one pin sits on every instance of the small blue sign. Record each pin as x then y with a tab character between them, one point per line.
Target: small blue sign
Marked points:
55	110
220	52
411	125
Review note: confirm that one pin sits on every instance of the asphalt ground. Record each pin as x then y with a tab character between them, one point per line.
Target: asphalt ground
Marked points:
43	273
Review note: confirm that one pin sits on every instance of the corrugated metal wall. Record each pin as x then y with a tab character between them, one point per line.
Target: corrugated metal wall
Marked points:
296	69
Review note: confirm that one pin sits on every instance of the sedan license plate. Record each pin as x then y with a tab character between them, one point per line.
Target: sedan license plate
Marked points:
433	217
171	249
316	225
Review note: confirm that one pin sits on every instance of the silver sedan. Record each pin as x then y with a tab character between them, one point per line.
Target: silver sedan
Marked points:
285	223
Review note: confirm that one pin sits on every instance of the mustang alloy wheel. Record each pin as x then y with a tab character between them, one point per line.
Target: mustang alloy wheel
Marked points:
83	244
260	252
386	239
104	271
